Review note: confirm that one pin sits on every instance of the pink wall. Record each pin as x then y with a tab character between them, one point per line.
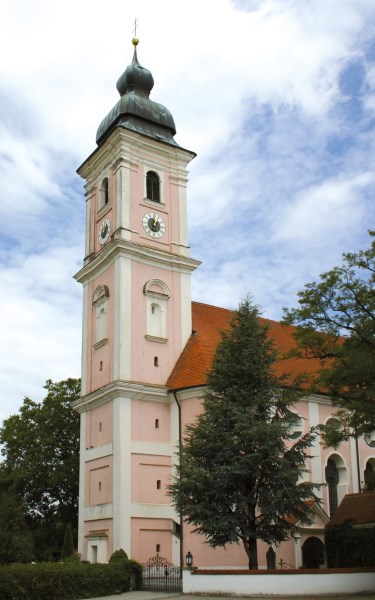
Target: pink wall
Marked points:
150	536
100	359
99	425
150	478
98	481
104	525
150	421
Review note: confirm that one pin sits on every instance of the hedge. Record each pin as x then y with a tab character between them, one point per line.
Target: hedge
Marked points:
71	580
347	546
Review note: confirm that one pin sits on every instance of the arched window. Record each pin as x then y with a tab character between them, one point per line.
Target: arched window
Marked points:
296	430
332	478
153	186
370	439
100	301
104	193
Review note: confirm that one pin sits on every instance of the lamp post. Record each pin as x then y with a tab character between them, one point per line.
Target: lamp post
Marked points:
189	560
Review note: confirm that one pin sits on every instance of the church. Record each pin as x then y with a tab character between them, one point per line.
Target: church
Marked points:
147	348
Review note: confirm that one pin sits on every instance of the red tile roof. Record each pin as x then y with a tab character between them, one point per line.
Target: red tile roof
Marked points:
358	507
195	361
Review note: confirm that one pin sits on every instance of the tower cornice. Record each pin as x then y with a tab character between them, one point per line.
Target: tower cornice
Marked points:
128	389
145	254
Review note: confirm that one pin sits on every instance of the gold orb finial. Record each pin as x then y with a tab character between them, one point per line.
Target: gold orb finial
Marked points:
135	40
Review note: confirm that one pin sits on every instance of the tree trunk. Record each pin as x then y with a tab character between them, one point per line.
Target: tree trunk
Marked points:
253	554
250	546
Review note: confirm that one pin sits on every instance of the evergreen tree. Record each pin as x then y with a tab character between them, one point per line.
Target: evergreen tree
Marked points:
68	545
237	479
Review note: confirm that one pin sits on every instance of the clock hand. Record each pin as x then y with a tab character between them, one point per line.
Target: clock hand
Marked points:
156	219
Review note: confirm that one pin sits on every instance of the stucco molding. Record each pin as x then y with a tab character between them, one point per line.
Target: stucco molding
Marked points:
123	144
144	254
119	388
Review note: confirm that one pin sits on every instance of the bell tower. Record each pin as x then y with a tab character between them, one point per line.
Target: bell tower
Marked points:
136	322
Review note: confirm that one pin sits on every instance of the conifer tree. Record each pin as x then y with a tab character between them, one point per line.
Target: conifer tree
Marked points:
68	545
237	479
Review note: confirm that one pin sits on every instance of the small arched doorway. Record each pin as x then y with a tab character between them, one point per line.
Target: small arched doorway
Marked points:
313	553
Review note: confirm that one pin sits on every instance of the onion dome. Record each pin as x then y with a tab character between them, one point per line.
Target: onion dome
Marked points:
135	110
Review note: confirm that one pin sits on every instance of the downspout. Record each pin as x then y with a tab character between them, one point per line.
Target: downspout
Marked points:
174	392
179	448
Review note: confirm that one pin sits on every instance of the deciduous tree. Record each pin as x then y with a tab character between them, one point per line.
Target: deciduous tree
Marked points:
336	324
40	446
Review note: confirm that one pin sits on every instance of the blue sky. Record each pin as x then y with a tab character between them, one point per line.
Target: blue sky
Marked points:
277	98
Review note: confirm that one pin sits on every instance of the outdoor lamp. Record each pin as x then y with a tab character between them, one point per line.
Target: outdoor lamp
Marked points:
189	559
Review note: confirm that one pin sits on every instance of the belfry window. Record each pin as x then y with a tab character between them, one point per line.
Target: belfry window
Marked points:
104	193
153	186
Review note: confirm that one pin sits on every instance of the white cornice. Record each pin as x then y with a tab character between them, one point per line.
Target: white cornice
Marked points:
189	393
145	254
126	144
127	389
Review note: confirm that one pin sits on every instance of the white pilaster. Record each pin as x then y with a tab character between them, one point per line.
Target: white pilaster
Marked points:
81	500
354	465
123	199
122	319
186	320
85	316
298	549
316	454
122	474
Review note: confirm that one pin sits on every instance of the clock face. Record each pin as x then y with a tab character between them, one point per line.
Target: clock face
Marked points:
153	225
104	231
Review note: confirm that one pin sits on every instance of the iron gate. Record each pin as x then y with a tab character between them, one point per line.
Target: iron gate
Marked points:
159	575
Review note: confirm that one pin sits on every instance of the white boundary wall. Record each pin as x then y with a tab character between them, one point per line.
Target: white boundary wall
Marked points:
286	584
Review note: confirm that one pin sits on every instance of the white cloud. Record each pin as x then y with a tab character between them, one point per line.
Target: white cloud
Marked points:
282	183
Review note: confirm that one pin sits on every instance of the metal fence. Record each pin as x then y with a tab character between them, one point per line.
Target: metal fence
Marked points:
160	575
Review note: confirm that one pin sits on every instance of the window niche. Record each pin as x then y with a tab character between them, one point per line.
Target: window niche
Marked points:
104	193
157	296
100	303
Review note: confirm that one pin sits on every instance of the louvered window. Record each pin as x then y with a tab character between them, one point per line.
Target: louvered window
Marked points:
153	186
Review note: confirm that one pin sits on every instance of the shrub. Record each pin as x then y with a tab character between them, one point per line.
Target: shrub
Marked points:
130	567
10	589
65	581
349	547
118	556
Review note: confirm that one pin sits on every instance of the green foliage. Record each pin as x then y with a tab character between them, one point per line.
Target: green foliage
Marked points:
347	546
10	589
68	546
336	324
132	568
40	446
238	472
65	581
118	556
15	537
136	570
